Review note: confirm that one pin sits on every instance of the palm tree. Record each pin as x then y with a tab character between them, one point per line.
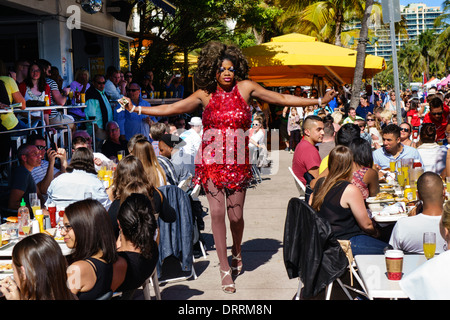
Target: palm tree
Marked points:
361	55
409	57
426	42
328	20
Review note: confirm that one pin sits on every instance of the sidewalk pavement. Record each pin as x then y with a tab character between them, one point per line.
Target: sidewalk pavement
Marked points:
264	276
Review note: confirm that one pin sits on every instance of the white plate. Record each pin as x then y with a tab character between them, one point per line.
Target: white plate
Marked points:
4	262
372	200
388	218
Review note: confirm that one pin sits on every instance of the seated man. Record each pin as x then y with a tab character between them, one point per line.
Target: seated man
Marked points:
98	107
80	141
169	146
407	234
45	173
113	144
22	182
306	156
156	132
393	149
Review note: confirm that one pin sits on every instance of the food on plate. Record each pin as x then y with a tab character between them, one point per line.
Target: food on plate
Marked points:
12	219
385	187
384	196
5	266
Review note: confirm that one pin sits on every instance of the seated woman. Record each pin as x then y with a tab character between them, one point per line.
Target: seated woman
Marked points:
432	154
39	271
95	268
138	247
364	177
144	151
34	89
341	203
80	177
130	169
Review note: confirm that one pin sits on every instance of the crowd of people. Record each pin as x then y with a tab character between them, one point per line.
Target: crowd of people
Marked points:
344	154
339	154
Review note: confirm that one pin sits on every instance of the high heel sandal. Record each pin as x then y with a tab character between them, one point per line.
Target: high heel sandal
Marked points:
235	271
226	287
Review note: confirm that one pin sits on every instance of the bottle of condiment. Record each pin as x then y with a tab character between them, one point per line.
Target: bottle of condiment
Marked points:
409	193
22	213
417	164
40	218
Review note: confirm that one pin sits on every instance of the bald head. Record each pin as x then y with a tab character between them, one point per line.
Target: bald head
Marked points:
430	188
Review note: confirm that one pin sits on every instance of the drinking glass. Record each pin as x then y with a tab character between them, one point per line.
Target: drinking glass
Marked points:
429	244
120	154
88	195
26	225
35	204
32	196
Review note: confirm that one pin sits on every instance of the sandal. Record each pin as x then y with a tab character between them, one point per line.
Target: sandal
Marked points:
227	288
236	270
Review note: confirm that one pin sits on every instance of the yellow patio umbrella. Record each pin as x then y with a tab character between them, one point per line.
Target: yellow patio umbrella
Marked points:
295	59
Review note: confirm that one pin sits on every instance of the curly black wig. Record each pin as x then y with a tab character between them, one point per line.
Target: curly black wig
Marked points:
210	60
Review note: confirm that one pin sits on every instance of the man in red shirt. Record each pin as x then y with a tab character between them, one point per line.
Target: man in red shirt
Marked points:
439	116
306	155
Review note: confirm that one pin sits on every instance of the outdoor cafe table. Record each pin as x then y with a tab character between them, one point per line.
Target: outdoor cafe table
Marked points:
6	252
372	269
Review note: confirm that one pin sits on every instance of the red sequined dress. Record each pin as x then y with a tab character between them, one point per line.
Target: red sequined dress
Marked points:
223	156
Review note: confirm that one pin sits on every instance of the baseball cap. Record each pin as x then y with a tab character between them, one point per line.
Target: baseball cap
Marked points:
172	141
195	121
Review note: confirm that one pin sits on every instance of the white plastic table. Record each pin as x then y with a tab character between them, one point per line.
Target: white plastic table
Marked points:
372	269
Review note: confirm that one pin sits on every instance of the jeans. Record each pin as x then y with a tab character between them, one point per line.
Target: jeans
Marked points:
363	244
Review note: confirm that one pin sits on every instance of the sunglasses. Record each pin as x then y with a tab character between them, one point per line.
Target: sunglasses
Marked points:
370	119
101	82
436	113
404	129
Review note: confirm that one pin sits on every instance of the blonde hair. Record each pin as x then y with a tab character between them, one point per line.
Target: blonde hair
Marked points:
337	117
340	166
386	114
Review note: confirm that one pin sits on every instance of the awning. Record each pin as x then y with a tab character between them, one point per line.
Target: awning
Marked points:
294	59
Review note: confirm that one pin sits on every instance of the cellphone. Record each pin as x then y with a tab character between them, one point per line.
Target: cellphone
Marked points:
178	75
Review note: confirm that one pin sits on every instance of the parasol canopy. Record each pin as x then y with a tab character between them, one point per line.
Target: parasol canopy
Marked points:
295	59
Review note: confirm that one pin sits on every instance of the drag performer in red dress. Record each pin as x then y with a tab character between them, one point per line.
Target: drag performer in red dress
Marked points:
222	165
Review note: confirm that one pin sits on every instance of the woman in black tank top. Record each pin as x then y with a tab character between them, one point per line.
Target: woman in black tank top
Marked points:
88	231
137	237
339	202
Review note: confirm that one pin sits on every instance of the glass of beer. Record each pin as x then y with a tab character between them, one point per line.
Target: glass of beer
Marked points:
120	154
429	244
392	165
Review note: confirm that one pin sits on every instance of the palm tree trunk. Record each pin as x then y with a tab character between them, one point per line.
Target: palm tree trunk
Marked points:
361	56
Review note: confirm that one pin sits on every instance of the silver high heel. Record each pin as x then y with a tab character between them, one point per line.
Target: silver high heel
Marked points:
226	287
237	270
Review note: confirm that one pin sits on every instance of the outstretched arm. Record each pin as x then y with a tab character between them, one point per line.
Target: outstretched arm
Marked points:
186	105
250	89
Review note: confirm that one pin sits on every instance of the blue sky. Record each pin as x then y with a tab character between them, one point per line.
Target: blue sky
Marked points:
430	3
